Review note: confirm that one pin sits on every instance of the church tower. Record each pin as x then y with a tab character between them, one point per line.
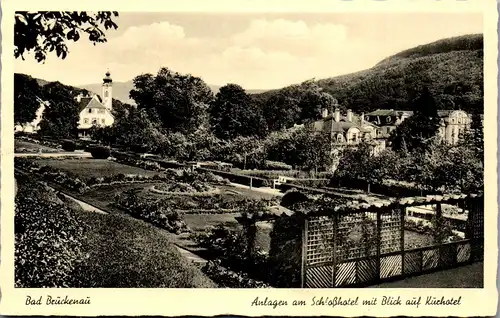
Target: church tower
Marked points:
107	91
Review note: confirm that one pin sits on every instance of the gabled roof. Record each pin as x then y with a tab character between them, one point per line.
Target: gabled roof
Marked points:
90	102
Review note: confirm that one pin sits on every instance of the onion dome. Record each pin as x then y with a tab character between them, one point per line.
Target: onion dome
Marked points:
107	79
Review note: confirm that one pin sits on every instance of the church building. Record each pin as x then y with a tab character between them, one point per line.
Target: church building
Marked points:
96	110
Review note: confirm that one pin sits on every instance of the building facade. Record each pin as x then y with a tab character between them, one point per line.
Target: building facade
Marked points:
348	130
95	110
453	122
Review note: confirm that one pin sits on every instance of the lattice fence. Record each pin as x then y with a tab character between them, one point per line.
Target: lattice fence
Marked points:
362	248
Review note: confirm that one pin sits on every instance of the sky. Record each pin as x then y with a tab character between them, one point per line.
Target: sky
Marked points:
256	51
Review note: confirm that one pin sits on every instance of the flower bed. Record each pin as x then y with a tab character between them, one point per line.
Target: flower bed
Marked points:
78	184
224	277
179	188
154	212
216	203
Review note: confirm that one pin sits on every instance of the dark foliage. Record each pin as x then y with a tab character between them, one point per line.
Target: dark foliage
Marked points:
26	98
234	113
42	32
178	101
100	152
48	239
68	145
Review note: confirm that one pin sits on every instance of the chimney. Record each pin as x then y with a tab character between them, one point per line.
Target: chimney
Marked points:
324	113
362	119
337	115
349	115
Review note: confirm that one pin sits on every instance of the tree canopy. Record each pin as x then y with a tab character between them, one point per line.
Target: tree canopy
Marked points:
27	93
180	102
60	118
234	113
42	32
420	129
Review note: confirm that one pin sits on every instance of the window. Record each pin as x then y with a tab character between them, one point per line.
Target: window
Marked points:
85	120
94	121
106	93
90	110
453	120
388	119
103	121
101	111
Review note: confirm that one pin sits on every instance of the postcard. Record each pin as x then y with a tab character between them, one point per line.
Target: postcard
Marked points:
299	158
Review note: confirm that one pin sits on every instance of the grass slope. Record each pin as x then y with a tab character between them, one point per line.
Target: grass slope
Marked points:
128	253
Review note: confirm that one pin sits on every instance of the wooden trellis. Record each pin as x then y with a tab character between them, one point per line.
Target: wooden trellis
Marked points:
366	246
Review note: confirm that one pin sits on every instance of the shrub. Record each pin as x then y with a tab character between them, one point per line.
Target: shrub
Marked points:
155	212
276	165
68	145
227	278
48	239
100	152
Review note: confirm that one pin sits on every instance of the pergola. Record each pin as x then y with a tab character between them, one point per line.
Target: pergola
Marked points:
359	244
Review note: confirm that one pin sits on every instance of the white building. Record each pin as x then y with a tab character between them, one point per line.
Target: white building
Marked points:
95	110
34	125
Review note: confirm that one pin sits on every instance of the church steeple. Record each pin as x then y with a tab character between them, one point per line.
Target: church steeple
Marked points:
107	91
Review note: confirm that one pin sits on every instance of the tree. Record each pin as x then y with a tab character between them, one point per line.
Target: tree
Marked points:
302	149
314	100
180	102
27	95
418	131
474	136
44	32
60	118
281	111
233	113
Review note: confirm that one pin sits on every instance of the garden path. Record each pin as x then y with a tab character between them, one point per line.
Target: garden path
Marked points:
55	154
84	205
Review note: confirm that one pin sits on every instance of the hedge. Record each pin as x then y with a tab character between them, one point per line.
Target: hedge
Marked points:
241	179
48	239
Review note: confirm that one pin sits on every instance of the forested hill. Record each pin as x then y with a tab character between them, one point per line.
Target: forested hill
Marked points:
451	68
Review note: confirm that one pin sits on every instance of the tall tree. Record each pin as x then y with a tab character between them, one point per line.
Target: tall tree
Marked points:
233	113
281	110
60	118
26	98
42	32
179	101
418	131
314	100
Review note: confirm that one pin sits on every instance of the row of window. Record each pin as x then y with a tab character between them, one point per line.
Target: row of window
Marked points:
95	121
100	111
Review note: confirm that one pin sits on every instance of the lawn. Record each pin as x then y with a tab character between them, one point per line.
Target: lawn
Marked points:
128	253
32	147
88	167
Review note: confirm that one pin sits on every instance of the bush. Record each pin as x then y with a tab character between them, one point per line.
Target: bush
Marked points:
100	152
48	240
276	165
227	278
68	145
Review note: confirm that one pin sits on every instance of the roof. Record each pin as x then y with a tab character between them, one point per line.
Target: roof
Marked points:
343	124
389	112
90	102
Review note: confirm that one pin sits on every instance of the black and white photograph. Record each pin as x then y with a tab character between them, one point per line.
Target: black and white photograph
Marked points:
249	150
